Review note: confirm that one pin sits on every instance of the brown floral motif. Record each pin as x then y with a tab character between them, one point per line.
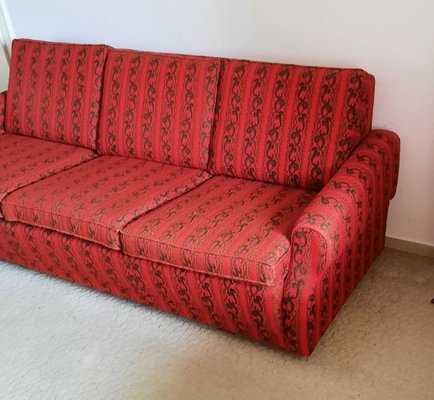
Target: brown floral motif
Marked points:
63	92
149	109
47	92
276	125
321	139
186	124
131	105
2	112
14	105
112	106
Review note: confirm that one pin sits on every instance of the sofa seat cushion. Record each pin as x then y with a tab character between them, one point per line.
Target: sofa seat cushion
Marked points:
25	160
158	107
94	201
289	124
232	228
55	91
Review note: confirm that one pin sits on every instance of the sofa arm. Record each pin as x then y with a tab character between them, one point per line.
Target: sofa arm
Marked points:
365	183
2	112
344	224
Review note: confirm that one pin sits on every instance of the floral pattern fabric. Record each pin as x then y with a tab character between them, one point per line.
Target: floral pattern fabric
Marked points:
94	201
271	248
337	239
55	91
235	306
25	160
333	244
288	124
2	112
158	107
228	227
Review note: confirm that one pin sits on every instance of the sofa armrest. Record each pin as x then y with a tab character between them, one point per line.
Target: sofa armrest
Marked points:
344	225
366	182
2	112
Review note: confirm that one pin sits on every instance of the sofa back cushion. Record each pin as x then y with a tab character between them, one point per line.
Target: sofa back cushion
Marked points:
55	91
158	107
288	124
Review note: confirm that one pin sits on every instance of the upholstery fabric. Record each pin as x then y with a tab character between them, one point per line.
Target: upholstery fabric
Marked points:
158	107
238	307
338	237
333	244
228	227
289	124
25	160
2	112
270	248
94	201
55	91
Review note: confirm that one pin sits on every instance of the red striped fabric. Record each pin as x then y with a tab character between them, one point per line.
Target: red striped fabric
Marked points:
249	310
2	112
232	228
288	124
95	200
25	160
55	91
158	107
333	244
338	237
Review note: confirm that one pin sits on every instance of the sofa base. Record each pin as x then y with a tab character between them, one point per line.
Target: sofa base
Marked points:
291	315
235	306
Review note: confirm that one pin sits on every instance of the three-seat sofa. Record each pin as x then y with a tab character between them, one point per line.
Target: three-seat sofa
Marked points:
246	195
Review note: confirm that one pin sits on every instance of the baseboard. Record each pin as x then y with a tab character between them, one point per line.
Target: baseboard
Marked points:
410	247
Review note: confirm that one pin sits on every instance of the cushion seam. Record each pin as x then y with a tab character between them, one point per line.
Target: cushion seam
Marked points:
236	278
54	214
202	252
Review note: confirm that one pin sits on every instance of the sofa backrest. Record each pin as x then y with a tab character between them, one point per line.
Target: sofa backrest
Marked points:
54	91
288	124
158	107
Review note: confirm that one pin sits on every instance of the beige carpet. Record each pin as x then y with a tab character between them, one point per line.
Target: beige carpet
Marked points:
61	341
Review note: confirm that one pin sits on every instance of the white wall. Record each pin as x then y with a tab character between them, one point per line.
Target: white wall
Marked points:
6	34
393	39
4	70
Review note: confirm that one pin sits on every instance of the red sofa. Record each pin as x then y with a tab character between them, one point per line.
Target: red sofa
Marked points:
246	195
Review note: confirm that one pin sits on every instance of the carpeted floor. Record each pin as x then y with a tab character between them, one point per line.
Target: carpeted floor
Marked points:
61	341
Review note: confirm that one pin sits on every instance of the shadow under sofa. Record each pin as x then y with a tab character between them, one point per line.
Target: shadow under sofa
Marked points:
245	195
